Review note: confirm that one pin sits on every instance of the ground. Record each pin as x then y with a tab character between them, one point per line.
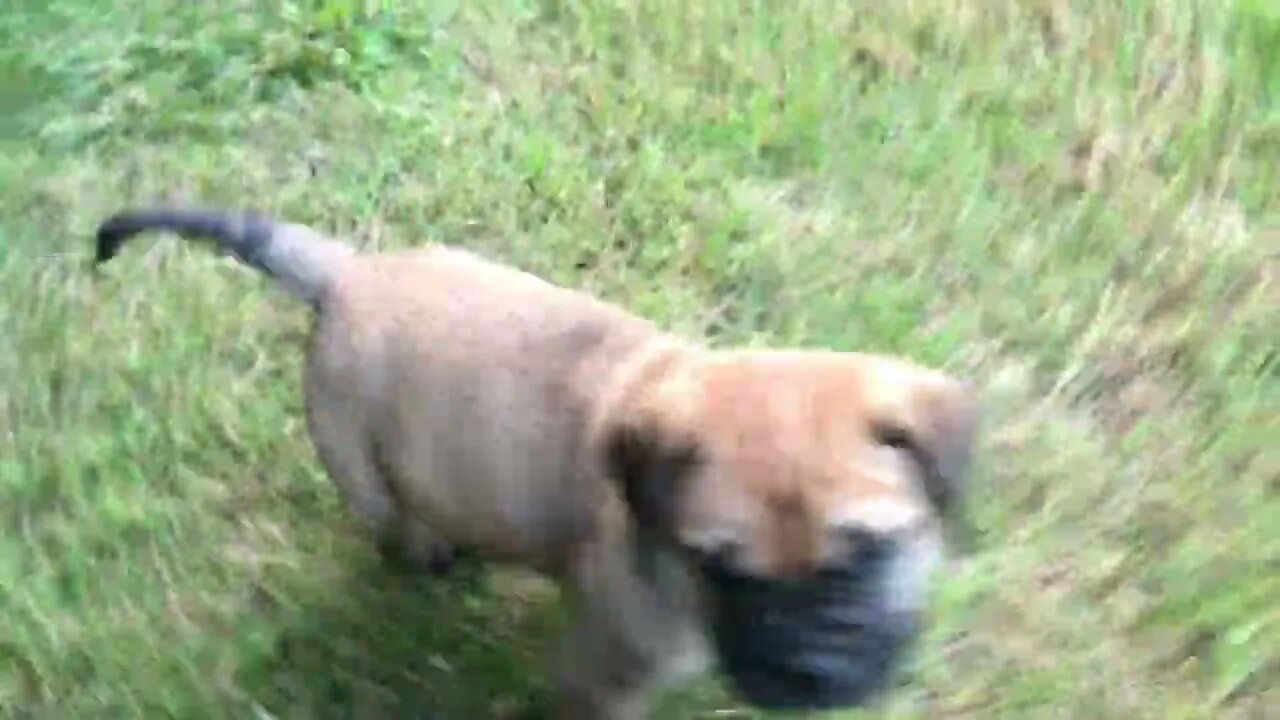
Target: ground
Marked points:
1075	204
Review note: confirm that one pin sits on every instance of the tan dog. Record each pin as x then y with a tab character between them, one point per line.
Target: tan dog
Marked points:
777	513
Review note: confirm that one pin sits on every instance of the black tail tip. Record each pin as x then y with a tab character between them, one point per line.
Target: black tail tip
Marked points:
113	232
109	240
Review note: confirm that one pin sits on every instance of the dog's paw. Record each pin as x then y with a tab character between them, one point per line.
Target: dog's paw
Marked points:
540	706
437	560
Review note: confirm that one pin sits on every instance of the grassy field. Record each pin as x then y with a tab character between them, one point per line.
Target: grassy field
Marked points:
1076	203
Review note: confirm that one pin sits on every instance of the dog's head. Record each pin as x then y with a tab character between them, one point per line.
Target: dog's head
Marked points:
810	494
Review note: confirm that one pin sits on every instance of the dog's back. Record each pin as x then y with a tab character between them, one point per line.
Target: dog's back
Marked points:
444	391
467	383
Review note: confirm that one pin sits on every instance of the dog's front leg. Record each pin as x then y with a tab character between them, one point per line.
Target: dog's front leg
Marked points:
599	675
621	648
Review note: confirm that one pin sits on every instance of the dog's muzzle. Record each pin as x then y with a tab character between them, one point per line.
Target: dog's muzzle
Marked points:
829	642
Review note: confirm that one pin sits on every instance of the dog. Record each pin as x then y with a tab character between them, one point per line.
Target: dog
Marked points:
775	514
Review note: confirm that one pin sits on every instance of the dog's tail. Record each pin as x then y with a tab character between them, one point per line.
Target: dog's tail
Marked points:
302	260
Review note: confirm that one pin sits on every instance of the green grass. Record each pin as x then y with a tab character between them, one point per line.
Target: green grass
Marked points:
1074	203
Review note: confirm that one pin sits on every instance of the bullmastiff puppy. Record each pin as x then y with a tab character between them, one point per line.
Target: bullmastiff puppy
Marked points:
773	513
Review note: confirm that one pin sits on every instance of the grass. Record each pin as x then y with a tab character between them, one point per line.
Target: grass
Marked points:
1074	203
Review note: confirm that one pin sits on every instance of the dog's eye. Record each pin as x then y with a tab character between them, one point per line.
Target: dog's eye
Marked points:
721	554
892	436
899	438
936	485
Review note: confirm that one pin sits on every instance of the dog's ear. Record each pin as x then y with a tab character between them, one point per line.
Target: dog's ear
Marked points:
649	468
936	424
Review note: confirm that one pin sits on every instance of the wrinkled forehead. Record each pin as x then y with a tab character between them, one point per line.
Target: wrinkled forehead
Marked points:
790	463
792	421
769	530
860	486
785	381
781	406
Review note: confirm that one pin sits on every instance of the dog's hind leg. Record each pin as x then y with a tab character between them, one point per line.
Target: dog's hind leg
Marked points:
340	434
408	544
